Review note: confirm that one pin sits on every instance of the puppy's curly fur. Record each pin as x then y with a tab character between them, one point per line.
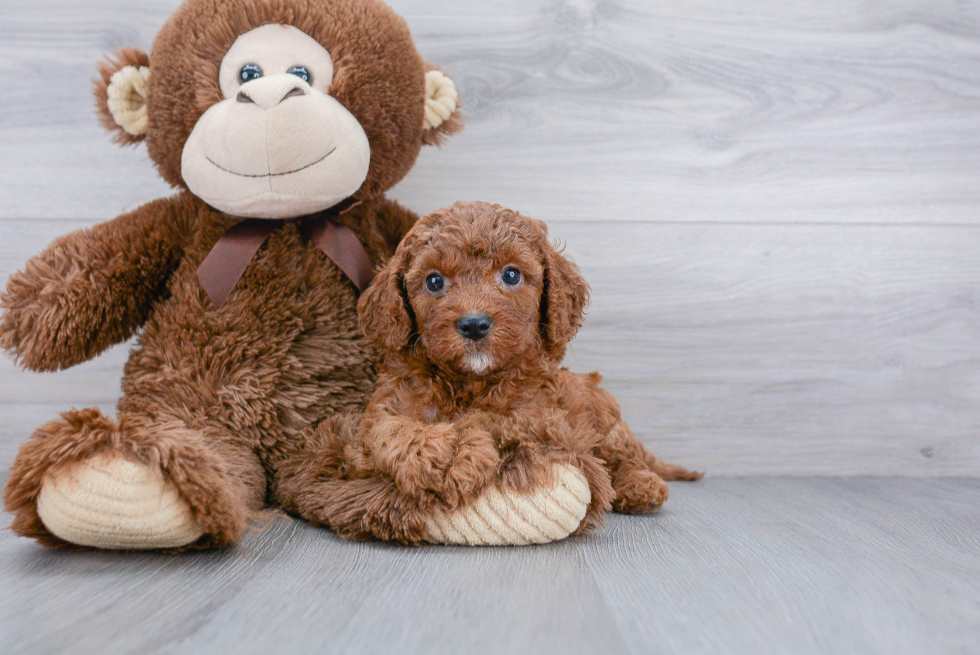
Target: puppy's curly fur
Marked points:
454	414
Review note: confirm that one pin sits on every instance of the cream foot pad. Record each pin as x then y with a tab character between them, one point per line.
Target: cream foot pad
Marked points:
498	519
110	502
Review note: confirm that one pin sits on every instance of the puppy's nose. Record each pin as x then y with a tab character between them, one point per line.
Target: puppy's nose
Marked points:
474	326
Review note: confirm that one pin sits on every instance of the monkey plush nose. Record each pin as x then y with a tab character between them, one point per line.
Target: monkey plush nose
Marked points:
474	326
267	92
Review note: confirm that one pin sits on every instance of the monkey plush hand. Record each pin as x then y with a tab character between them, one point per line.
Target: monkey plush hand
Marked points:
281	124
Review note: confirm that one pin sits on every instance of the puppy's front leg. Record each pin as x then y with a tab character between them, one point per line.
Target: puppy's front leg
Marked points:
452	460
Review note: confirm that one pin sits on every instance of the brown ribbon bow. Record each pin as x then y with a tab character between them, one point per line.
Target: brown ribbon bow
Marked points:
226	263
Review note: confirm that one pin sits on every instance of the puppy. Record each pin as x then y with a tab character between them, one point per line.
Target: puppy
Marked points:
474	312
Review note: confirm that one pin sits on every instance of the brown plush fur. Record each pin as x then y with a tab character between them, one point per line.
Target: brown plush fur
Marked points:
436	434
217	397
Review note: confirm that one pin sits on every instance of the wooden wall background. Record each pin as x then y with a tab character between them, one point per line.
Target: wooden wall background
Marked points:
777	205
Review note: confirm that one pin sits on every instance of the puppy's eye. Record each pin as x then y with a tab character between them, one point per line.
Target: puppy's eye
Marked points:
511	276
249	72
434	283
302	73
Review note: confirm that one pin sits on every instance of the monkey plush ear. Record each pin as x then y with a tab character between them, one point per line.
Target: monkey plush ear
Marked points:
120	94
563	300
442	117
383	307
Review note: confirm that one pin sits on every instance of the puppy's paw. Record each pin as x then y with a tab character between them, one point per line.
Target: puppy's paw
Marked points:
473	467
451	464
638	491
394	518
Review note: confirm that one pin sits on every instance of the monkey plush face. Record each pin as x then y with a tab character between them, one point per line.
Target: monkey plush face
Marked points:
279	108
277	145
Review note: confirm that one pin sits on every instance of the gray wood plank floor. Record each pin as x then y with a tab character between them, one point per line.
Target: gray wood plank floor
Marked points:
822	566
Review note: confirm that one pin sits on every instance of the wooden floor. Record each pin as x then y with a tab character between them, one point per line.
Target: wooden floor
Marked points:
868	566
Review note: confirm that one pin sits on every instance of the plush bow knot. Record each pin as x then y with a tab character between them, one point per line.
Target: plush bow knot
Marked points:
224	266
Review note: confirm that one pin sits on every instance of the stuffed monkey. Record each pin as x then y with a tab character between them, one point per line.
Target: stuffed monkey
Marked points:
281	124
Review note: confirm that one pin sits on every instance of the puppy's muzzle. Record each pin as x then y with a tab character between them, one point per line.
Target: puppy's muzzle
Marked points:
474	326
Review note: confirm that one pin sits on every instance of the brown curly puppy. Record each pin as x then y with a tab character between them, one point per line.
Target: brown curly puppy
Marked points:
474	310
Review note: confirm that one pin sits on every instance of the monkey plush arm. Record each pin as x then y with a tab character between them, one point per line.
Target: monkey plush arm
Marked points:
90	289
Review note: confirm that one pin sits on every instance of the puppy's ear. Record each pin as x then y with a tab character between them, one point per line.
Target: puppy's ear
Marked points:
383	308
563	299
120	94
442	116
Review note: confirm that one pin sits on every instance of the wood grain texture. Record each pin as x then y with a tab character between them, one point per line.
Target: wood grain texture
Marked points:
871	566
739	349
844	111
747	349
776	205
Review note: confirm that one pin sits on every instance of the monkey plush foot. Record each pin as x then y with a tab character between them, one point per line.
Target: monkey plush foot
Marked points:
504	519
107	501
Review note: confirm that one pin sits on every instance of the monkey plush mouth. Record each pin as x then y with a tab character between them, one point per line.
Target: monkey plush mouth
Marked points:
295	170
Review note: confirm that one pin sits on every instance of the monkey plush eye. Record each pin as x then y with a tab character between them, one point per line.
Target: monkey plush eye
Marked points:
249	72
511	276
434	283
302	73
